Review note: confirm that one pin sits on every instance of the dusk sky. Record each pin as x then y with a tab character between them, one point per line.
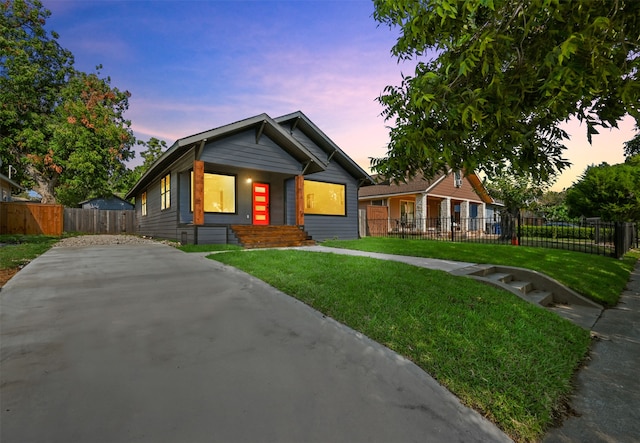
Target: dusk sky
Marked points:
195	65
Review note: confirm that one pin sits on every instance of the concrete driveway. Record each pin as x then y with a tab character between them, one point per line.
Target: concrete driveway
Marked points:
149	344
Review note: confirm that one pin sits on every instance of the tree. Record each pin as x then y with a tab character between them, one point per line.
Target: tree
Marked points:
516	192
611	192
64	128
495	79
552	205
155	148
632	147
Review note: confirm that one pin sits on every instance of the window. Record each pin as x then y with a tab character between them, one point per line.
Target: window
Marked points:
143	203
457	179
165	192
219	193
324	198
407	211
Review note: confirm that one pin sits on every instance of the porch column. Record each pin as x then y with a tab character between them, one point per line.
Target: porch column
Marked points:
482	223
198	192
421	212
445	214
300	200
464	215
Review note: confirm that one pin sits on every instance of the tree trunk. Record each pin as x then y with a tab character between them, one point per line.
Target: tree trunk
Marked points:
45	186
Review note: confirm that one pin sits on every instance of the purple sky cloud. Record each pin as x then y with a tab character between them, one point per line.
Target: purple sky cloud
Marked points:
195	65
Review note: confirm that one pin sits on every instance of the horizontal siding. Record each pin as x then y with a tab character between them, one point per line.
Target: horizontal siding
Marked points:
212	235
158	223
447	188
241	150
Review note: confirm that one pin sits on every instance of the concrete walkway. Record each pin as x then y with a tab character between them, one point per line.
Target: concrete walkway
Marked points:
149	344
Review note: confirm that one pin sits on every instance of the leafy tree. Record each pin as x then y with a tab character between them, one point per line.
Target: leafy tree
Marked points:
611	192
64	128
495	79
552	205
516	192
155	148
632	147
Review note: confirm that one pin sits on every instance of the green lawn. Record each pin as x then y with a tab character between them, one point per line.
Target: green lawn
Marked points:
508	359
600	278
208	248
19	250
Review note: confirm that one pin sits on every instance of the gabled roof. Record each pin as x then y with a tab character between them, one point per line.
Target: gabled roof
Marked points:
387	188
297	120
419	184
263	124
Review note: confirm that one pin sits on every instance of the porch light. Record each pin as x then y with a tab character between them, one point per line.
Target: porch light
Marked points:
249	180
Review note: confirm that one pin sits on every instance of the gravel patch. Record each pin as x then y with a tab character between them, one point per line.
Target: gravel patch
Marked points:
105	240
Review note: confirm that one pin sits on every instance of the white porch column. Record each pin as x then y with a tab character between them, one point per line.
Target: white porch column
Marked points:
445	215
421	212
464	215
482	223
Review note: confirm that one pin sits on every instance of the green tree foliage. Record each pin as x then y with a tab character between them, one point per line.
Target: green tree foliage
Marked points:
611	192
154	149
64	130
516	192
632	147
496	78
552	205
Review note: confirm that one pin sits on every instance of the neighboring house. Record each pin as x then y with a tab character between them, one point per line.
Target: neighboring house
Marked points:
258	171
113	203
446	202
8	187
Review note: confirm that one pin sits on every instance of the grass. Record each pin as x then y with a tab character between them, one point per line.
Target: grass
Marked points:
599	278
209	248
508	359
21	249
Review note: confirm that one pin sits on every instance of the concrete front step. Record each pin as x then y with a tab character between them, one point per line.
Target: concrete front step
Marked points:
539	289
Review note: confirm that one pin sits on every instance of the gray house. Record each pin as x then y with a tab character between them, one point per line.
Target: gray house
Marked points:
260	172
112	203
7	187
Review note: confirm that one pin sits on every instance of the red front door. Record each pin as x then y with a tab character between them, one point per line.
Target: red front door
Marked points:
260	204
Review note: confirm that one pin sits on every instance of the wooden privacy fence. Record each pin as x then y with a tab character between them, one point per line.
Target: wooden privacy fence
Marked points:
31	219
99	221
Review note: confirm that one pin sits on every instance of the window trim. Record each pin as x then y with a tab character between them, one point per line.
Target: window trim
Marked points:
344	196
165	192
235	192
143	204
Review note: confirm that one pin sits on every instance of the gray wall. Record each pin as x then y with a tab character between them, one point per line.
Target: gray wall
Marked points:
322	227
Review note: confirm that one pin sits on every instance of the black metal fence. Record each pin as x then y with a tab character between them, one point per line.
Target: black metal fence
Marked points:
593	237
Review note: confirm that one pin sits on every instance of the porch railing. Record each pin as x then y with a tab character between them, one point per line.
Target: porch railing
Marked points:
594	237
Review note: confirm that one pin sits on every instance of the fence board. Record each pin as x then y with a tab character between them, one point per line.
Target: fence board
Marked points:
99	221
31	218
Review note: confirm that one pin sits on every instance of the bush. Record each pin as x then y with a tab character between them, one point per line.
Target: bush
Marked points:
600	234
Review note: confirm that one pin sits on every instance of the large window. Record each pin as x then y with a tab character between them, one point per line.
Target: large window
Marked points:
165	192
324	198
219	193
143	203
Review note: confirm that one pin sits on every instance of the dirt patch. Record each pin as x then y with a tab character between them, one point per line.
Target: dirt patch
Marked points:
6	274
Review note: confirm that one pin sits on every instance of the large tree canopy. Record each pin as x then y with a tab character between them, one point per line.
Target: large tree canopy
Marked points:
495	79
611	192
63	130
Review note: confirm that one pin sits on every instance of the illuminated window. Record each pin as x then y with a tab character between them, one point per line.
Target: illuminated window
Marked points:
219	193
165	192
324	198
143	203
